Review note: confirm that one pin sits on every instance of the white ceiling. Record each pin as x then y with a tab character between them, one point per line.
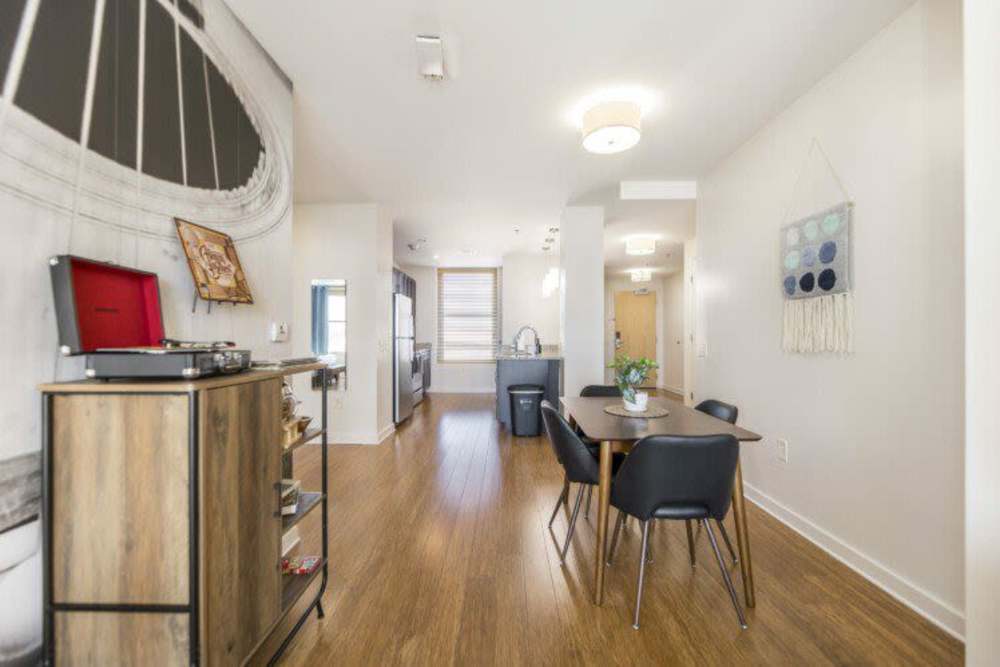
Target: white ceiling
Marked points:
464	161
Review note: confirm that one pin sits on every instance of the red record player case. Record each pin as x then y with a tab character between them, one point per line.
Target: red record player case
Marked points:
100	305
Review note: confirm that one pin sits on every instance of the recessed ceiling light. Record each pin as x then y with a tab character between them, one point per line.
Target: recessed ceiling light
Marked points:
611	127
638	245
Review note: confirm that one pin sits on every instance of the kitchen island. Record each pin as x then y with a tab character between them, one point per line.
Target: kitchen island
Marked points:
543	368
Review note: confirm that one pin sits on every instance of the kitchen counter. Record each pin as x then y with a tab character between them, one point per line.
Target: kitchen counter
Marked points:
549	352
543	369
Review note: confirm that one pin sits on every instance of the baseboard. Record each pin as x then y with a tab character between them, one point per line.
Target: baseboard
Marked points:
926	604
462	390
676	390
353	438
385	433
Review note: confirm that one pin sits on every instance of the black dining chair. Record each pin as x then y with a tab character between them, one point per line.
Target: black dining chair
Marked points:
727	413
677	478
595	391
580	466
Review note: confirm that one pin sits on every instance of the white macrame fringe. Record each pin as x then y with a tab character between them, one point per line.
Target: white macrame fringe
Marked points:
821	324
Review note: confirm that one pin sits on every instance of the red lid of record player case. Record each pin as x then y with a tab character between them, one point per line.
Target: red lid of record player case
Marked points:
101	305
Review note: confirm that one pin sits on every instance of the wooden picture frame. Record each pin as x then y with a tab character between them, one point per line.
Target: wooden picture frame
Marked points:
215	266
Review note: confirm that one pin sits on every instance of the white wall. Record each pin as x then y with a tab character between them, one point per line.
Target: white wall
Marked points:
445	378
672	338
982	363
524	302
581	312
875	472
334	241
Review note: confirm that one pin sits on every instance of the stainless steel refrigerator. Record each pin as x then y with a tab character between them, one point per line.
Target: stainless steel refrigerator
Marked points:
402	358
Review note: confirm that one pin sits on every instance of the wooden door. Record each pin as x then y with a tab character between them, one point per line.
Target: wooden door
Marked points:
241	526
635	327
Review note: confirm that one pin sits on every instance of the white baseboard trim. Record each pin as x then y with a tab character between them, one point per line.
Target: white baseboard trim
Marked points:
926	604
462	390
385	433
353	438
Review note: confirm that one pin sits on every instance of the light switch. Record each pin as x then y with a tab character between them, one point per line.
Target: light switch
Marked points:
702	350
279	332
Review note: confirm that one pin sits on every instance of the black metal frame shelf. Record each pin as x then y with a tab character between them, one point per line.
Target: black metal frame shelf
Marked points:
304	439
291	590
308	501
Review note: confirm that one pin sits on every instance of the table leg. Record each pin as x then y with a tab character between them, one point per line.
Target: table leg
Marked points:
603	510
743	537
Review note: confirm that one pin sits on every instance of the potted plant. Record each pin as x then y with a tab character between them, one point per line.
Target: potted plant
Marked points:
629	376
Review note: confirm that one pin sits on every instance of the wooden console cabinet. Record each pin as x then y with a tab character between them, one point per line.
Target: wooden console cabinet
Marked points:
162	521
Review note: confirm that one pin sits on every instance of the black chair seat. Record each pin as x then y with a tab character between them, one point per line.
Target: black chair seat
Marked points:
681	512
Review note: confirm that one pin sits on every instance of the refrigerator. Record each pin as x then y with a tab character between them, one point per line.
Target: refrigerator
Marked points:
402	358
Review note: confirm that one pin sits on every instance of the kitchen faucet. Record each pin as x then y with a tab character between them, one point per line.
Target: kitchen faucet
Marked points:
538	342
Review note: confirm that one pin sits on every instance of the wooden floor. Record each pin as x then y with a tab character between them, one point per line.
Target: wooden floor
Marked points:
440	555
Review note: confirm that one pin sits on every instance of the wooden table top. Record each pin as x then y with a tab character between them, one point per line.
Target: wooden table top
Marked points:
599	425
157	386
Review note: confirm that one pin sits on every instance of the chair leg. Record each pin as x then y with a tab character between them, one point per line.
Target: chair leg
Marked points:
642	572
590	492
729	545
649	547
572	524
690	534
725	573
614	536
563	495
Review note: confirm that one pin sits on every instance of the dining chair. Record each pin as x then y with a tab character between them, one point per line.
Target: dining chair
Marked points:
579	465
686	478
596	391
727	413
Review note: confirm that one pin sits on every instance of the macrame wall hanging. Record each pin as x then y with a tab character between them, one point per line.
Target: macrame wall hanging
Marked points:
816	277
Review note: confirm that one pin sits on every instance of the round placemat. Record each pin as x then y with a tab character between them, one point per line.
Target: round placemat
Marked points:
651	411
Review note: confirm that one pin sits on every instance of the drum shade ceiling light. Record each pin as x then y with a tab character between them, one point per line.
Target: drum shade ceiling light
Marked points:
611	127
641	275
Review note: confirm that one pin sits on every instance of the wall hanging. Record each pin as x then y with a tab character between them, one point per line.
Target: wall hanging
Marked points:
816	276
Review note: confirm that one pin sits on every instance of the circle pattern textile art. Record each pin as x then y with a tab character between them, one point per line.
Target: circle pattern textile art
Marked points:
814	254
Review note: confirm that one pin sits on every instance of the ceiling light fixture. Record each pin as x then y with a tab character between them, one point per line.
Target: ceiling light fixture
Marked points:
640	245
611	127
641	275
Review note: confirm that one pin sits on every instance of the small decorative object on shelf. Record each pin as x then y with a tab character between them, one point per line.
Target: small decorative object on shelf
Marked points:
290	496
629	376
300	564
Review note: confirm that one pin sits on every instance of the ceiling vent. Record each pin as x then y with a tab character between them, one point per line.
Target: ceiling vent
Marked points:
430	57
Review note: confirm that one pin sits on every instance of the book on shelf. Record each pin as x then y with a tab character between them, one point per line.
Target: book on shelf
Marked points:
290	540
290	489
300	564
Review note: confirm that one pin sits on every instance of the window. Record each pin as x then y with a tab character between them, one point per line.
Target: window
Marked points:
468	315
329	318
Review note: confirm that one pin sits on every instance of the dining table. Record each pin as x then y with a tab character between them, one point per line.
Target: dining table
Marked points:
619	434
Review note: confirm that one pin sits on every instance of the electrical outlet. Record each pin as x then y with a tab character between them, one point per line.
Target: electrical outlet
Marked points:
279	332
782	450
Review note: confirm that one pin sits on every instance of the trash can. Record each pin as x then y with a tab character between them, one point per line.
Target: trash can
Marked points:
525	409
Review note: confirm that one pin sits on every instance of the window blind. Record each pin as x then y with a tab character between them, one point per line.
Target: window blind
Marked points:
468	315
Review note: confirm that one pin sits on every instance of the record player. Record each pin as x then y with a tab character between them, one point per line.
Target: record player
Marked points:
113	315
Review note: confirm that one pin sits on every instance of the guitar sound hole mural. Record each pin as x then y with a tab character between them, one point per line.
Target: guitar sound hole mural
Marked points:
212	145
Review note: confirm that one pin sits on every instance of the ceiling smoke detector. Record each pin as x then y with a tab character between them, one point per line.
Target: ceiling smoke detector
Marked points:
430	57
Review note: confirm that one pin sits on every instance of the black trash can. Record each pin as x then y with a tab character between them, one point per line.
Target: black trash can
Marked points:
525	409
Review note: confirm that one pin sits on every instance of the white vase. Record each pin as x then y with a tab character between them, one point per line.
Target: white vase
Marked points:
641	401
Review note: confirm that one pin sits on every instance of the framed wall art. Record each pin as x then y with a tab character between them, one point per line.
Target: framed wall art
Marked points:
215	266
